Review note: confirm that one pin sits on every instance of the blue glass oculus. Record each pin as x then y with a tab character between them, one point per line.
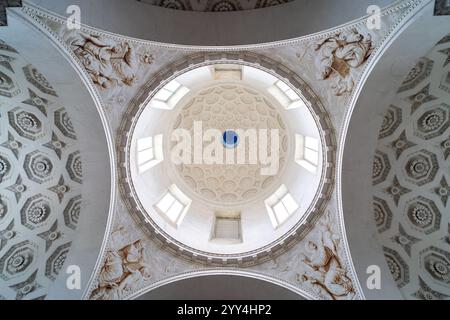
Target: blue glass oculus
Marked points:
230	139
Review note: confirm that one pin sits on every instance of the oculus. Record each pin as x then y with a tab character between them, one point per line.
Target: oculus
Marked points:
230	139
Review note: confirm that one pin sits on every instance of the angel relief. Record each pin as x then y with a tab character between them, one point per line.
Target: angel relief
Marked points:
108	62
338	58
123	270
324	273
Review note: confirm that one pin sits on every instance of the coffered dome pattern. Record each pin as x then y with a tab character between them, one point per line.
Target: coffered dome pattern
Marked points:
40	180
230	107
411	173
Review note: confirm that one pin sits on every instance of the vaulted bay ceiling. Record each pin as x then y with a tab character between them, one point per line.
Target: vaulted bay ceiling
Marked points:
172	221
41	179
404	149
411	179
141	20
221	287
215	5
47	179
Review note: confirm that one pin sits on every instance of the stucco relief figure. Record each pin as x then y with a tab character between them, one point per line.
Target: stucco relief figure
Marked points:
324	272
338	57
122	272
108	62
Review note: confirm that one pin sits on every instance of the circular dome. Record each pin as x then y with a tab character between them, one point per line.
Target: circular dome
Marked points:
226	162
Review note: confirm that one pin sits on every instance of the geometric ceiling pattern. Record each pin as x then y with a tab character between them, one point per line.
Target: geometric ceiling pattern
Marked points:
215	5
442	8
411	178
40	180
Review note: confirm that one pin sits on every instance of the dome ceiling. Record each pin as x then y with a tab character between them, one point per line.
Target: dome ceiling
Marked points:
215	5
411	176
225	201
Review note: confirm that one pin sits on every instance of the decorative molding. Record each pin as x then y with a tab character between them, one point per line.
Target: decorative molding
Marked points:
325	273
242	183
109	63
122	273
53	21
